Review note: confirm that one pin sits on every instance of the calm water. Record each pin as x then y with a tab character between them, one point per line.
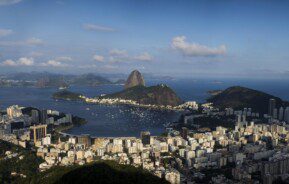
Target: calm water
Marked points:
129	121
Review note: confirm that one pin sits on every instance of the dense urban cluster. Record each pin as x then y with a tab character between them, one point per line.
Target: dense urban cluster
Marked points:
250	152
19	127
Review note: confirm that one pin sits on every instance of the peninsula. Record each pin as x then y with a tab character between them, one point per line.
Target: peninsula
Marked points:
135	93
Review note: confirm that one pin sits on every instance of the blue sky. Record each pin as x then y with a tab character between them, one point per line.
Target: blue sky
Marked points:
246	38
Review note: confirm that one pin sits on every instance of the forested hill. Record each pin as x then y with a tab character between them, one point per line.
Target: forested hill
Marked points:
238	97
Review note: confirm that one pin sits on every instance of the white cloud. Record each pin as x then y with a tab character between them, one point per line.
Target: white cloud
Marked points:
8	62
53	63
194	49
95	27
28	42
144	57
57	62
98	58
122	55
9	2
26	61
5	32
23	61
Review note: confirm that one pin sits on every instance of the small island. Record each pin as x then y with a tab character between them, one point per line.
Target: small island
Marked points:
214	92
67	95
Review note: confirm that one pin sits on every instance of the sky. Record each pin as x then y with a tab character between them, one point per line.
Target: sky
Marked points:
186	38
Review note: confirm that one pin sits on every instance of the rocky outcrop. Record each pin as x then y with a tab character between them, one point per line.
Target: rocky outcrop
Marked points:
135	79
135	90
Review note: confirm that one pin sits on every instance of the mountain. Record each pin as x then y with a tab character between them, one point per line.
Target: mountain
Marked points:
135	79
90	80
46	79
105	172
239	97
52	81
154	95
79	80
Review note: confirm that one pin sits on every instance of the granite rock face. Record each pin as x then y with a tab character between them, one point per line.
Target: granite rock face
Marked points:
135	79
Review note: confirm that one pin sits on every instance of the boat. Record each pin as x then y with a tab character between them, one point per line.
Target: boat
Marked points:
62	87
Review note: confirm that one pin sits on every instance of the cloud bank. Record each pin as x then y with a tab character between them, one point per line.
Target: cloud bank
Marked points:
23	61
29	61
180	44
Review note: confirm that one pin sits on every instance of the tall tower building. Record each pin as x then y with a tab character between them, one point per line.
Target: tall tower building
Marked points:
35	116
43	117
281	113
286	114
275	113
272	106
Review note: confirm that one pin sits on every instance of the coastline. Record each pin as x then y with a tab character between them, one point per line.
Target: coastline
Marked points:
61	129
119	101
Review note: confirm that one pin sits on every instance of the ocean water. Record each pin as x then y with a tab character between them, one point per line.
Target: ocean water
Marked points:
122	120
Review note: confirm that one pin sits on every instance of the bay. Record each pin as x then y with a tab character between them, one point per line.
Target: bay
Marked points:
122	120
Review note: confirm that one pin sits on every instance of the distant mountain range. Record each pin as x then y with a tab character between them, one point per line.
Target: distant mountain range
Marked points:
45	79
238	97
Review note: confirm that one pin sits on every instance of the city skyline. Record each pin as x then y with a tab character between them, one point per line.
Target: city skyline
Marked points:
185	38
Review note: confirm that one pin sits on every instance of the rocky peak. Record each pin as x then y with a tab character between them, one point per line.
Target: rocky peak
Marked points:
135	79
